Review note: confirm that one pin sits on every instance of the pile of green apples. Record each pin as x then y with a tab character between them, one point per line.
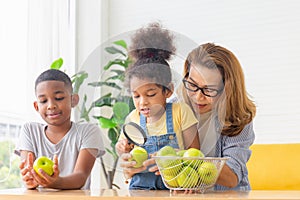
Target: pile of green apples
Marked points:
184	169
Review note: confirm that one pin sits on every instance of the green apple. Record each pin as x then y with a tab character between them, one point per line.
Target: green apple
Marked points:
170	181
171	167
45	164
208	172
181	152
166	151
187	178
193	152
139	155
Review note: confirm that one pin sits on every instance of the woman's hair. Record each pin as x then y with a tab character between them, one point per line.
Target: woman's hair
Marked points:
239	110
151	48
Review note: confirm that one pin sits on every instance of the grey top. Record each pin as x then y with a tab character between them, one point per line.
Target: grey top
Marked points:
80	136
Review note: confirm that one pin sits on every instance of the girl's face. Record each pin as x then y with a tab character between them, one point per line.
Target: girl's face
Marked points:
209	80
149	99
54	102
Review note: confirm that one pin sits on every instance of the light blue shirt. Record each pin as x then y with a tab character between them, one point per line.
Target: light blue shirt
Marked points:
236	148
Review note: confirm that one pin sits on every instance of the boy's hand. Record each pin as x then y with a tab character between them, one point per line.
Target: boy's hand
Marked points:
44	179
26	167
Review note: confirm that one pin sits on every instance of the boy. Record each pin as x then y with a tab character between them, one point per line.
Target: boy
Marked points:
73	146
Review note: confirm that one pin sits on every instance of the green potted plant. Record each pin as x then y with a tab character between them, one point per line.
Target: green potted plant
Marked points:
119	104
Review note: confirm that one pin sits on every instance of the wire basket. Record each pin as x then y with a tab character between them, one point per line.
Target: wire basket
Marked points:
189	173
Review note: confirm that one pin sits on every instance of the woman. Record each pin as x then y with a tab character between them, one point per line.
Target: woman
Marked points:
214	87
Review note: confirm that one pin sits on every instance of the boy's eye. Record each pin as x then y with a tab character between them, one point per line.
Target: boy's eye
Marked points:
43	101
151	95
59	98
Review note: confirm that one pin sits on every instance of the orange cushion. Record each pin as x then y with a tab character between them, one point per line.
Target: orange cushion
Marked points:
274	167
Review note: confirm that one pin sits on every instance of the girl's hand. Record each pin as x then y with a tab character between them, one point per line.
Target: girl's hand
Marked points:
127	166
43	178
26	167
154	168
123	146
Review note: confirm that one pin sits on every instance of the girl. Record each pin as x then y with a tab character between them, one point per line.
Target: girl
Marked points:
149	81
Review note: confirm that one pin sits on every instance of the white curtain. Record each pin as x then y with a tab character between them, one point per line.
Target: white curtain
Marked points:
51	35
13	26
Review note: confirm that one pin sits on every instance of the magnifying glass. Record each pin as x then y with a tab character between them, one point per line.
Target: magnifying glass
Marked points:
134	133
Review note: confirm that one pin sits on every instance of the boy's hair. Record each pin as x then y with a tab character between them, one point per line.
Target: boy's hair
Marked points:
54	75
151	48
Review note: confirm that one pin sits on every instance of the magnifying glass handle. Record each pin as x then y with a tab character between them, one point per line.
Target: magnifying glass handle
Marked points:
131	145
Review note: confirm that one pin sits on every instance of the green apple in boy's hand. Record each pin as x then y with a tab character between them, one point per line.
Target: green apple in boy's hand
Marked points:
45	164
139	155
208	172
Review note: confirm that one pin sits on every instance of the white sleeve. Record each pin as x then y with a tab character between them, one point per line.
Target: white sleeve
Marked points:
92	139
25	140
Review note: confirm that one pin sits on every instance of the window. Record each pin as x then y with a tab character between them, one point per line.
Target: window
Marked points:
33	34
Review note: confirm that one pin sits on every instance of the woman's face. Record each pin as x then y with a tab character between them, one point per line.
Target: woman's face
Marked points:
209	80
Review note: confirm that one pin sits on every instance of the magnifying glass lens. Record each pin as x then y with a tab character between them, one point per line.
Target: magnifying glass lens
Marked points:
134	133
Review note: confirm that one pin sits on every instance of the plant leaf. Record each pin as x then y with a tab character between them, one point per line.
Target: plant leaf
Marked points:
106	123
104	100
78	80
102	83
113	135
57	64
120	110
84	114
115	62
114	50
109	151
120	77
118	71
121	43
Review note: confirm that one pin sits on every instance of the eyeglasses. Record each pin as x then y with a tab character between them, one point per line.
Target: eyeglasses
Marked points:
209	92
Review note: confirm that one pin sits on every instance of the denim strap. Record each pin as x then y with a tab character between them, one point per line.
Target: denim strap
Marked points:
169	120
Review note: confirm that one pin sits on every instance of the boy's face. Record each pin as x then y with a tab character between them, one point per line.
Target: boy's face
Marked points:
54	102
149	99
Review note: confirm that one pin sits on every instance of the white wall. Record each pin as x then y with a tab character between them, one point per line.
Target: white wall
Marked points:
264	35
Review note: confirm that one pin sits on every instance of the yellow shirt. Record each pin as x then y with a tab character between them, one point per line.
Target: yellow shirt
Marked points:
183	118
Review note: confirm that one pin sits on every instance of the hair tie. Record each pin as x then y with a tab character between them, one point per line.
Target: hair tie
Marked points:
150	55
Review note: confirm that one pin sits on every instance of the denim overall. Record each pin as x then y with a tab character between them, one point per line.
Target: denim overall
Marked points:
148	180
